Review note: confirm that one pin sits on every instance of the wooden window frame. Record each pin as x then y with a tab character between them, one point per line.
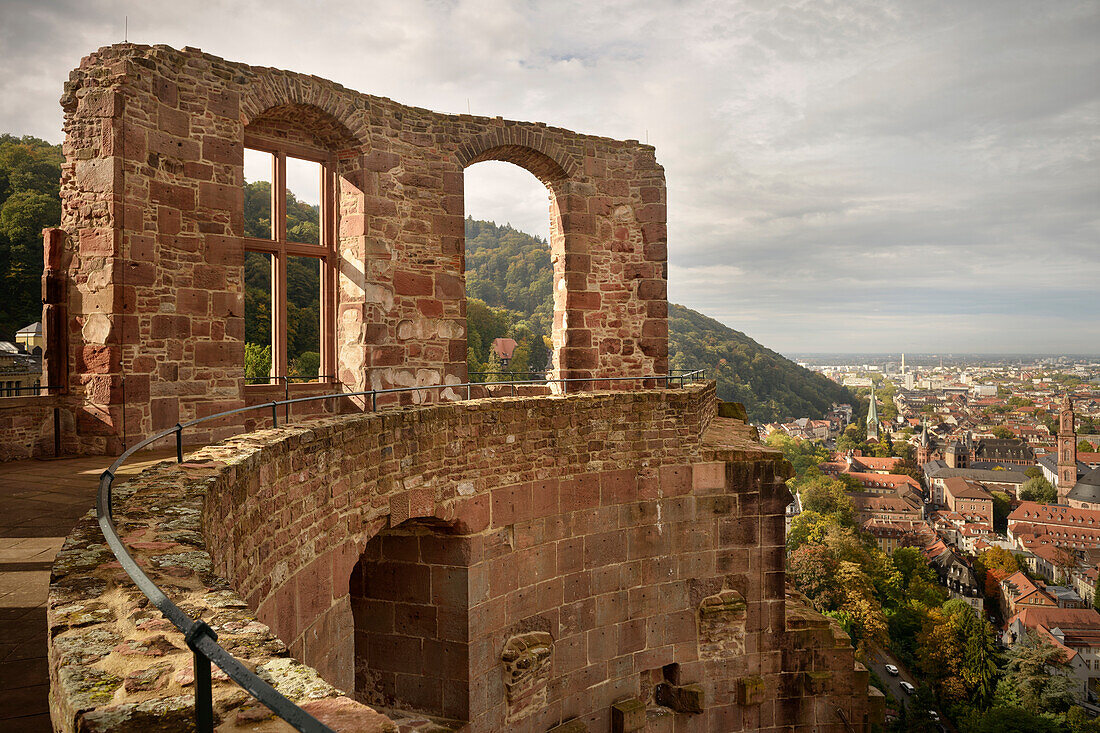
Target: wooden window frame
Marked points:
280	248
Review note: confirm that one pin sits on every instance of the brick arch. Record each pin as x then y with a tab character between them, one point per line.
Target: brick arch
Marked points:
533	152
336	122
320	129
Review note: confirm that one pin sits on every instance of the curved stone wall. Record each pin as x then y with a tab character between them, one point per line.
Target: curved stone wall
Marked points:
572	561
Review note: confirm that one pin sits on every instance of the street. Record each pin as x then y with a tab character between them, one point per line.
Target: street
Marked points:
877	662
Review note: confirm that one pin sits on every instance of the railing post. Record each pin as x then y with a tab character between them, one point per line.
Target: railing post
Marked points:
109	478
373	401
179	443
274	414
204	699
57	432
286	396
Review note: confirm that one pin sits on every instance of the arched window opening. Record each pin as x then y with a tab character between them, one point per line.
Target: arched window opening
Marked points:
509	275
290	259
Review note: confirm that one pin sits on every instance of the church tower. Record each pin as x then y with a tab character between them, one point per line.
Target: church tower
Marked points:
1067	450
872	417
923	455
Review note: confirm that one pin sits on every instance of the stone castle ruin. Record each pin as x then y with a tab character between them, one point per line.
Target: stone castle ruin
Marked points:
610	557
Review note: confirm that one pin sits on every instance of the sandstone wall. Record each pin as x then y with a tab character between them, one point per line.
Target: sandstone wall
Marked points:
27	426
602	561
152	202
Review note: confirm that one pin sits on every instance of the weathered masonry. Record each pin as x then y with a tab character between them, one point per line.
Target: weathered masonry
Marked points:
147	316
592	562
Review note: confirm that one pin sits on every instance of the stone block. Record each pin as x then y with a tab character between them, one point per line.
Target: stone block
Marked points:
627	716
735	410
708	476
411	283
681	698
750	691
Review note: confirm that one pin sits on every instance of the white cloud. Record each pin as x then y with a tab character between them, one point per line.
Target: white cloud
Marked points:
840	175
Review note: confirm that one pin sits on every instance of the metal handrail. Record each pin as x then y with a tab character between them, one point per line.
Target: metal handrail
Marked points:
201	639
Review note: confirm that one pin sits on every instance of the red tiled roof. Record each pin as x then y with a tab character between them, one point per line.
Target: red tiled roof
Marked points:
886	480
960	488
1035	513
504	347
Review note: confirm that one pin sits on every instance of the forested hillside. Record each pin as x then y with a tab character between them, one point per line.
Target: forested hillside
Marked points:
509	283
510	270
771	386
30	179
303	283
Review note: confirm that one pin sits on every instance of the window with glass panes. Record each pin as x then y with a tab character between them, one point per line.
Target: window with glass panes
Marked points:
290	261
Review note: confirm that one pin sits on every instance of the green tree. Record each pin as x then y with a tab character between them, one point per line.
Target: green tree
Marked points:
1083	446
1000	431
495	368
911	564
804	455
807	526
1008	719
1037	674
1002	505
307	364
826	495
30	181
1040	490
257	362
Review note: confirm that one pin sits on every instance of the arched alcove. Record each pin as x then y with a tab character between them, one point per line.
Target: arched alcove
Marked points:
409	604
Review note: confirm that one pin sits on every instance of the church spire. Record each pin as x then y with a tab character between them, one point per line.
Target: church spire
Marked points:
872	417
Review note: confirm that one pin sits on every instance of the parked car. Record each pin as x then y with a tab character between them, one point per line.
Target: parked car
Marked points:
892	670
909	689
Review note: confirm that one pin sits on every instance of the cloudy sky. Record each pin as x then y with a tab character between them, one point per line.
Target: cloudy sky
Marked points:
873	176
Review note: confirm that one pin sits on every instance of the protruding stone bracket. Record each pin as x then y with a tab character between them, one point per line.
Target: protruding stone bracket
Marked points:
750	691
627	715
680	698
729	605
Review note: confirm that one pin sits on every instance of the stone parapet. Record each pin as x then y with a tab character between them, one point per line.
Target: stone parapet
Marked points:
27	427
509	564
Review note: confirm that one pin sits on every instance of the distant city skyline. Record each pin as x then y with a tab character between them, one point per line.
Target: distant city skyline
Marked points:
890	175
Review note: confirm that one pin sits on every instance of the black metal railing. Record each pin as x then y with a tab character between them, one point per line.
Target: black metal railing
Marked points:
200	638
34	390
539	376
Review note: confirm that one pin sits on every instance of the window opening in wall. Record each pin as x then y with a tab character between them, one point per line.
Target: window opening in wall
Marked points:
509	277
290	263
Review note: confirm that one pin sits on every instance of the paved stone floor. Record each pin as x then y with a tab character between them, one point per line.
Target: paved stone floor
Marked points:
40	502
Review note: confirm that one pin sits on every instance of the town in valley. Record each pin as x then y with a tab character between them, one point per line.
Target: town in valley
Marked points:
955	483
